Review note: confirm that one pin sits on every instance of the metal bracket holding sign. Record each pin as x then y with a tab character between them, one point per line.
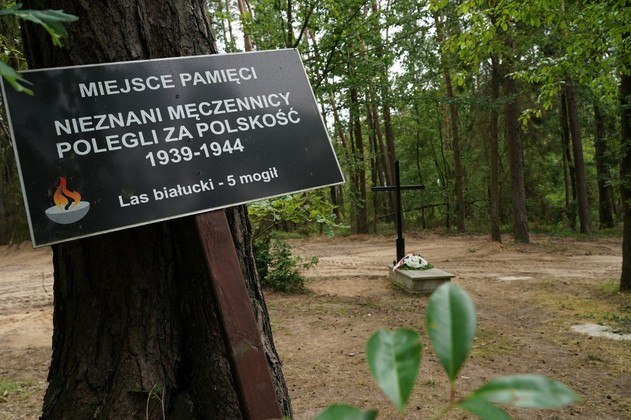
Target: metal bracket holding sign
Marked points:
111	146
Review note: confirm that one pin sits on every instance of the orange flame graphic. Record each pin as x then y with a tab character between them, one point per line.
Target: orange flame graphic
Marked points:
62	193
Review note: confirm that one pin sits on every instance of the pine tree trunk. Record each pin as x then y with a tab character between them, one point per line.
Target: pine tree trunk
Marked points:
136	325
568	167
455	132
339	129
376	176
515	153
625	177
244	13
385	100
360	169
458	174
584	215
605	211
494	181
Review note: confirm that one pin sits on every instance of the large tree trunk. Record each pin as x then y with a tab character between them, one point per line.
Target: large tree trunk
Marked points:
584	215
136	324
625	178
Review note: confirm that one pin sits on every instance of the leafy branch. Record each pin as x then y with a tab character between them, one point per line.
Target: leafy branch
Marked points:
394	358
52	20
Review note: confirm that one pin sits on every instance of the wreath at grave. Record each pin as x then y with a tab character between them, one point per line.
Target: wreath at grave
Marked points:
412	262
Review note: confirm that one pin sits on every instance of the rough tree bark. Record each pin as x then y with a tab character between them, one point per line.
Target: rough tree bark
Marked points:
135	314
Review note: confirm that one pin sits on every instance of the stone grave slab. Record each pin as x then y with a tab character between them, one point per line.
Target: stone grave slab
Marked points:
419	281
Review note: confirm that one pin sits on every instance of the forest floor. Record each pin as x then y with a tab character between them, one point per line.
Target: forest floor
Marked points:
524	324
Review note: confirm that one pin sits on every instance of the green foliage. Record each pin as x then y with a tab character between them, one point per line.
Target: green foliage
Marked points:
451	323
525	391
12	387
52	20
14	78
390	55
483	408
346	412
394	359
305	209
278	269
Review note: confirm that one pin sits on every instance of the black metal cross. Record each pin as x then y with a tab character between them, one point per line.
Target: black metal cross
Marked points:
397	188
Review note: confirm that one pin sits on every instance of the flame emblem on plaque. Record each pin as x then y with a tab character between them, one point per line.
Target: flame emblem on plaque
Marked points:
68	206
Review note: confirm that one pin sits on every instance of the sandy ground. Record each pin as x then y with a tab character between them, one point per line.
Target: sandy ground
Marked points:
524	324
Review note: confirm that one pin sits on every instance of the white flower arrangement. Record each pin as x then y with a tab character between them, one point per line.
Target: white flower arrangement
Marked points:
412	262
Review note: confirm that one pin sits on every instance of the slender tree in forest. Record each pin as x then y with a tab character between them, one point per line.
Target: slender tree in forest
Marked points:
136	324
625	178
246	16
605	210
515	149
494	167
584	215
361	209
568	165
388	152
454	126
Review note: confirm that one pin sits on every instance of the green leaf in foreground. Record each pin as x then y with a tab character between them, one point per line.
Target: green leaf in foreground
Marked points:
14	78
483	409
52	20
526	391
345	412
451	325
394	358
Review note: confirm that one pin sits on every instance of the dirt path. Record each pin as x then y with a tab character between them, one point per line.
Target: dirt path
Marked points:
523	325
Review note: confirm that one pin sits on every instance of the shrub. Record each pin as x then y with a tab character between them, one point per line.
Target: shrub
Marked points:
278	269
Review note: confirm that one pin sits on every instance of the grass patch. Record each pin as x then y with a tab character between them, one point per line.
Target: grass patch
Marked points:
608	287
10	387
488	344
282	235
596	301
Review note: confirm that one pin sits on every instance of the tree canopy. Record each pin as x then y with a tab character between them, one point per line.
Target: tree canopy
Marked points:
509	112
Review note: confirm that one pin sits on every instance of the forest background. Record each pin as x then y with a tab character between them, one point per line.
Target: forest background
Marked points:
513	114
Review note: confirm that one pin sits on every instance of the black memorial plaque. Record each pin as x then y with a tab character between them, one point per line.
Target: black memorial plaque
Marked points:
111	146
